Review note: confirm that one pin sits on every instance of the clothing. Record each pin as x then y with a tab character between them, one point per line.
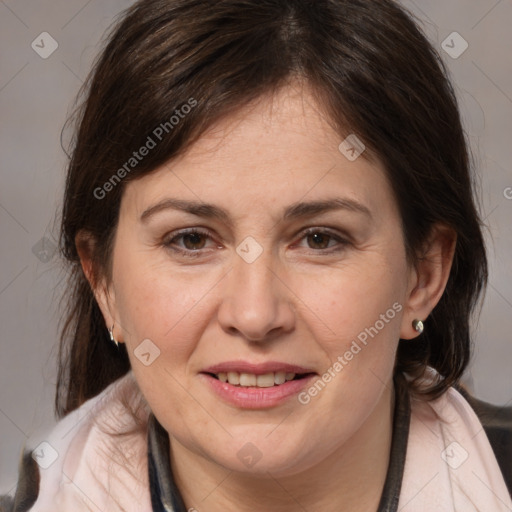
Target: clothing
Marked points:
440	447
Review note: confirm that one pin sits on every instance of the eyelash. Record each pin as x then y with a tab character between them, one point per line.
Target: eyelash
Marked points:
168	243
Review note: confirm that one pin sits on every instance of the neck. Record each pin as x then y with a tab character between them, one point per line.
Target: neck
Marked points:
351	478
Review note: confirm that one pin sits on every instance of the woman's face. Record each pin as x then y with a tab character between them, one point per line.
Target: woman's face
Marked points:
263	251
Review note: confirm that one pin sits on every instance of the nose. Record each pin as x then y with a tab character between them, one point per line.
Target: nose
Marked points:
257	303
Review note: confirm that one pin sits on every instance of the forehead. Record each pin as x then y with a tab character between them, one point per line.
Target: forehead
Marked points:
289	123
281	148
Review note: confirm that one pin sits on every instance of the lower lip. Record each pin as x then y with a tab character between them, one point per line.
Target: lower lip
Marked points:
254	397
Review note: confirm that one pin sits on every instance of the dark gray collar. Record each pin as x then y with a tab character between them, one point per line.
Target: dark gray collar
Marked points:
165	496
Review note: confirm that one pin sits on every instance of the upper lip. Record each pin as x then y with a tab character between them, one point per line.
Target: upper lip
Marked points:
256	368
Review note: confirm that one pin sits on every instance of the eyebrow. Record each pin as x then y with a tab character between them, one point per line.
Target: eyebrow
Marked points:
294	211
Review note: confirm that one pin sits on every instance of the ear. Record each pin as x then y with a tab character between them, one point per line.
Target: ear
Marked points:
428	278
104	294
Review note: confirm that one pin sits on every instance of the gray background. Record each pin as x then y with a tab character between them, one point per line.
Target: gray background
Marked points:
36	96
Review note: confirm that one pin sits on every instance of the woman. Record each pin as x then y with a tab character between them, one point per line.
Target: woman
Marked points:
275	254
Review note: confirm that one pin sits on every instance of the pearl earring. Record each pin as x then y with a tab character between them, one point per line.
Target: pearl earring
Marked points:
111	333
418	326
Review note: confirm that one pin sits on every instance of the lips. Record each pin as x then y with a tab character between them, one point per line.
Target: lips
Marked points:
265	375
247	385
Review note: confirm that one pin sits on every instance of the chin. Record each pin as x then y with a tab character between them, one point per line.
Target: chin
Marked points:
258	454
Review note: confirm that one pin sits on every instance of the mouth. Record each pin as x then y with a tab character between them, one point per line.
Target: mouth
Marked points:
247	385
265	380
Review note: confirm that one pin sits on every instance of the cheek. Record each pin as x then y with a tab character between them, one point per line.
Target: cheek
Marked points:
169	310
166	308
356	320
348	300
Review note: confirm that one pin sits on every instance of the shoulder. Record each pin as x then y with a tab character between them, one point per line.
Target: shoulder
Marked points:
497	423
68	449
459	412
452	437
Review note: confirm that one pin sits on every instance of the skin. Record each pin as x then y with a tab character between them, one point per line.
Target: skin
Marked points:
302	301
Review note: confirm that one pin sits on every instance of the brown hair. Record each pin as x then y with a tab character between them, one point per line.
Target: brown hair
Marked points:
373	72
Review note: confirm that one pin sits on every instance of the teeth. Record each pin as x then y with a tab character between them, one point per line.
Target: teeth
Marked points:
266	380
280	377
234	378
247	379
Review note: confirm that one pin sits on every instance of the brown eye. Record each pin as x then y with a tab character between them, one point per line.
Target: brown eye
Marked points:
319	240
191	241
323	241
